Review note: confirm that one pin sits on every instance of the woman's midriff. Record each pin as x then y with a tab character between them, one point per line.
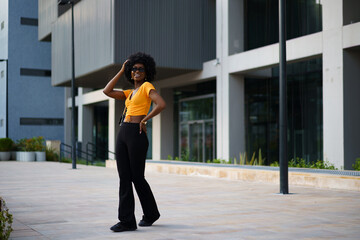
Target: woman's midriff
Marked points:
134	119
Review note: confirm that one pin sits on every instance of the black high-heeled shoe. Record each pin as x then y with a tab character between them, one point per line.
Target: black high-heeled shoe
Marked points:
119	227
146	223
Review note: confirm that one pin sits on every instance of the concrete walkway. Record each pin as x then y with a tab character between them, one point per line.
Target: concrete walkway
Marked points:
52	201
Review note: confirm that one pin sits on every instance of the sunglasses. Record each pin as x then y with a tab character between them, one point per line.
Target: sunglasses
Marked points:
134	69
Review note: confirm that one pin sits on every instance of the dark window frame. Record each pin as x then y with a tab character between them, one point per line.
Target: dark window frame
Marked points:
42	121
29	21
35	72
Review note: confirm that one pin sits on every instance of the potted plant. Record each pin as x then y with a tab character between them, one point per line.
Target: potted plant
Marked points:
39	145
6	145
27	150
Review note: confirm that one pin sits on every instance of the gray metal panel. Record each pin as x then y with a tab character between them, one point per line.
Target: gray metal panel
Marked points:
47	16
209	30
178	34
93	40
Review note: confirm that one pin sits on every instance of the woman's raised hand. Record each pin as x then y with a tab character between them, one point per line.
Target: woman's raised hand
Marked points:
123	66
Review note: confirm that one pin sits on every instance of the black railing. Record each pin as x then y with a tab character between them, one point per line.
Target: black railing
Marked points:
97	151
65	149
93	154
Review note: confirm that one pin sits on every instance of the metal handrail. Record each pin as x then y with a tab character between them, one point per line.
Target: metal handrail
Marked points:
62	150
91	154
94	149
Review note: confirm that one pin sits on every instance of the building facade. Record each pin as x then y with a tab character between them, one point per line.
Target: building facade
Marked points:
217	64
30	106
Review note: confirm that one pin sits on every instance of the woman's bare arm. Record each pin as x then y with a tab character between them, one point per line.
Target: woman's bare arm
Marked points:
159	106
109	88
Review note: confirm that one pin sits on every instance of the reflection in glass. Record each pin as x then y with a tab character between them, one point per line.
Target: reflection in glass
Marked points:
304	93
196	142
197	128
195	91
184	146
209	141
261	20
196	109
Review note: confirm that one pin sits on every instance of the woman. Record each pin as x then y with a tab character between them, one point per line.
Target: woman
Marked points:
132	143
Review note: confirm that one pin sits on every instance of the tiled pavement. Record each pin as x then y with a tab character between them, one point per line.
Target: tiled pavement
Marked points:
52	201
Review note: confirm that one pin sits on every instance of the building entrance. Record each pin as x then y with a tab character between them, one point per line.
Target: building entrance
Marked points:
197	128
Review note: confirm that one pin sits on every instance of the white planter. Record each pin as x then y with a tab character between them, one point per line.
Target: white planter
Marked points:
5	156
26	156
40	156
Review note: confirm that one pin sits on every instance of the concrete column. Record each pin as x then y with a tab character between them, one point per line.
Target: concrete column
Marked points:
116	109
333	89
85	120
167	124
80	114
156	138
67	117
222	80
351	107
163	128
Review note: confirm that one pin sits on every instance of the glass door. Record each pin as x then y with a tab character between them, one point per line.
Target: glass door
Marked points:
197	128
197	141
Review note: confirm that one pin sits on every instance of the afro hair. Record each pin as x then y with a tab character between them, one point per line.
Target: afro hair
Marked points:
147	60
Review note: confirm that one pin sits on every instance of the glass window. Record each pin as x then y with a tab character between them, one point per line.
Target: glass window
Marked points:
189	113
304	102
196	109
262	20
351	13
197	128
29	21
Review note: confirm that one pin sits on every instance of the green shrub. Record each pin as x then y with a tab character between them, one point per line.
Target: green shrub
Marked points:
39	144
274	164
51	155
185	155
6	220
298	163
6	144
356	166
219	161
301	163
32	144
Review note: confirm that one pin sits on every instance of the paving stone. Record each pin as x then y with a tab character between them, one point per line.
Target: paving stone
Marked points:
52	201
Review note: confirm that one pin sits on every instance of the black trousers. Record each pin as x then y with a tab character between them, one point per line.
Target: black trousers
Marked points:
131	149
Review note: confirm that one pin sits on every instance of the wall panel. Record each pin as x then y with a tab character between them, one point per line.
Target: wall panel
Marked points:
93	40
47	16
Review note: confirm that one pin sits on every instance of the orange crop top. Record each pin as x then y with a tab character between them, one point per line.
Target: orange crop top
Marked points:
140	102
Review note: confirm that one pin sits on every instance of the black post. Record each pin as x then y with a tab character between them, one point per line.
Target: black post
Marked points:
284	186
73	89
